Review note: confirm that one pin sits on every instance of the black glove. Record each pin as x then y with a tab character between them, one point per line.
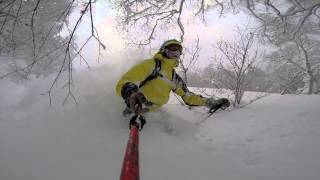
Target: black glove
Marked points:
135	101
133	97
222	103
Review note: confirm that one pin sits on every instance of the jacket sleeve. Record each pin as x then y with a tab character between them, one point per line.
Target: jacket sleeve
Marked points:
130	81
188	97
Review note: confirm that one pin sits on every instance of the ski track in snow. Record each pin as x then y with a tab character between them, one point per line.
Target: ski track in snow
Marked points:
275	137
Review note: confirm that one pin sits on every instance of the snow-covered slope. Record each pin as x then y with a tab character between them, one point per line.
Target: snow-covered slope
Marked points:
275	137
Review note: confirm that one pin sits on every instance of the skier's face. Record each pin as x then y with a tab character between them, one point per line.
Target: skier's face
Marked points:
173	51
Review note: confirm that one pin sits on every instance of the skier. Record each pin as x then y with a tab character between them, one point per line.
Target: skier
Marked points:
147	85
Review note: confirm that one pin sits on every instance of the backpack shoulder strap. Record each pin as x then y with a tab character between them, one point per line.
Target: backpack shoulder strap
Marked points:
179	81
155	73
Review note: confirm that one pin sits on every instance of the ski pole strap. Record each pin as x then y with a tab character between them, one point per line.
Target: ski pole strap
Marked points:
130	165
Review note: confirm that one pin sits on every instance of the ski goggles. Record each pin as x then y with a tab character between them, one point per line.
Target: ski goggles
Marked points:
174	47
173	51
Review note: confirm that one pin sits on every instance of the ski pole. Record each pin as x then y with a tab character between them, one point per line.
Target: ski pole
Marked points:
130	165
210	113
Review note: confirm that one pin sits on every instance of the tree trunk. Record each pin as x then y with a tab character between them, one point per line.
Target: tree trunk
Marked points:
309	74
238	91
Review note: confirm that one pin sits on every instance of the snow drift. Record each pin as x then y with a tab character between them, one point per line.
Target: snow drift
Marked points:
273	138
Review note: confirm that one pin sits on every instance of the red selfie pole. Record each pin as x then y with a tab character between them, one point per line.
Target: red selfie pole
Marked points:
130	166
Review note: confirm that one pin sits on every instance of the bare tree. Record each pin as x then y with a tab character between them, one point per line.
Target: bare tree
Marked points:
189	59
308	49
303	54
281	19
30	34
150	15
237	58
284	19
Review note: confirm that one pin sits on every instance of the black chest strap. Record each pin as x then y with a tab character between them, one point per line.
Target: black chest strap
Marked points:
155	73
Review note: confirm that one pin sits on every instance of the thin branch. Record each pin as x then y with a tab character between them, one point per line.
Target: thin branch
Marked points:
179	20
32	63
7	15
309	13
32	30
273	7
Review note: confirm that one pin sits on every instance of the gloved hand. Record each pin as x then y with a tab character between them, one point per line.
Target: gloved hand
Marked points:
136	100
219	103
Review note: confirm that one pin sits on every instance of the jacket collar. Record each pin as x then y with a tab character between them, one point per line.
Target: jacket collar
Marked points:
169	62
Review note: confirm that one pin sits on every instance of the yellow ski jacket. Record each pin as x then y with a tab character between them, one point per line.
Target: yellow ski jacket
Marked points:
157	90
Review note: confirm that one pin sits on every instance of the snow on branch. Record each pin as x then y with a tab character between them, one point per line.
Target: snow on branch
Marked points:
47	45
150	14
